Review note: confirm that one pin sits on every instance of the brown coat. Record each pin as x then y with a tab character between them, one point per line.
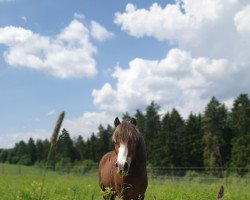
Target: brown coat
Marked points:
134	184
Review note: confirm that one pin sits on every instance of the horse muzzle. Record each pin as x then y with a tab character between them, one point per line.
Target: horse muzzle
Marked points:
122	168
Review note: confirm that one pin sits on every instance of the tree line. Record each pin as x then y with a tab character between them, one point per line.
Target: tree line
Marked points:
216	139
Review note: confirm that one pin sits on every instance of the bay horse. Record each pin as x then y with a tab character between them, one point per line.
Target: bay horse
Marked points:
123	170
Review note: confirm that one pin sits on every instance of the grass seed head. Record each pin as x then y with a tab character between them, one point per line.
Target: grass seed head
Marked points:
54	136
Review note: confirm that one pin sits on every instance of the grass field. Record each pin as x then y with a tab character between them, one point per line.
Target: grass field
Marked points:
20	182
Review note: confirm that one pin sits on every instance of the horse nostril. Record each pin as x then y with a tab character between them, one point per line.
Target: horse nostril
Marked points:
126	167
116	165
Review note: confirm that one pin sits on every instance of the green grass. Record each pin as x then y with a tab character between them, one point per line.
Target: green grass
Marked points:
24	183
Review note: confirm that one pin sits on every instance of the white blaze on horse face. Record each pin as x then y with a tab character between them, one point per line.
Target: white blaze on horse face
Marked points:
122	154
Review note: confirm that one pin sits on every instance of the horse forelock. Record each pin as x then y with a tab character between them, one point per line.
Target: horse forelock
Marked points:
125	132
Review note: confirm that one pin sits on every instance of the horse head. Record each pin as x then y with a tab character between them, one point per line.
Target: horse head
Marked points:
126	138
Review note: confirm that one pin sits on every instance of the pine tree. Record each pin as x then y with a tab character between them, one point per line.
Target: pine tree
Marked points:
162	149
214	124
80	146
141	120
110	131
93	147
32	151
193	153
3	155
152	126
126	117
40	150
64	147
176	138
46	145
240	125
103	142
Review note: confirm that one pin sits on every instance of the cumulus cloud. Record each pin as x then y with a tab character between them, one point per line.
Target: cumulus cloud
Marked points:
68	54
242	20
178	80
169	22
211	57
206	28
84	125
88	123
99	32
9	140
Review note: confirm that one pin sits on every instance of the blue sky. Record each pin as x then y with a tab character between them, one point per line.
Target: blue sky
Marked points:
99	59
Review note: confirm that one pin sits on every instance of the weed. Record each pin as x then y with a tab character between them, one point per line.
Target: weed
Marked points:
53	141
108	194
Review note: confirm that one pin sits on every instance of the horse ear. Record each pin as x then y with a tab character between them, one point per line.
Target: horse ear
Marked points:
133	121
117	121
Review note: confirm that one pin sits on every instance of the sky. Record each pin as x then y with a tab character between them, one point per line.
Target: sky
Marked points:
99	59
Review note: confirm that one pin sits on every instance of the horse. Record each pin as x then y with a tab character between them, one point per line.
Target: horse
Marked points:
123	170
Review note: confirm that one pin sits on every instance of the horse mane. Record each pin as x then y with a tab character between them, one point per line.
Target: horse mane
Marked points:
140	156
125	132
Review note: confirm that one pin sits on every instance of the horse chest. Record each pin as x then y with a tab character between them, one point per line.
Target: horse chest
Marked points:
130	186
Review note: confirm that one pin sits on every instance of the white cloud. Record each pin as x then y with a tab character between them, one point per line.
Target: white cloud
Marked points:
178	80
242	20
211	57
51	112
9	140
156	22
99	32
168	23
68	54
88	123
85	125
206	28
24	19
79	16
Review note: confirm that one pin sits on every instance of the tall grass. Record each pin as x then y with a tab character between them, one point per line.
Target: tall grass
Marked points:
53	141
27	186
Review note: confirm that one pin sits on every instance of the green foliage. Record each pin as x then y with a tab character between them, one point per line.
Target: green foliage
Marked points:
64	165
25	160
169	144
240	125
83	167
151	129
241	154
193	152
26	186
192	174
32	151
3	155
64	147
80	147
214	125
103	143
108	194
216	140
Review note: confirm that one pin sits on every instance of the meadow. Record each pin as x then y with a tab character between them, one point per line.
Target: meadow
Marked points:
24	183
